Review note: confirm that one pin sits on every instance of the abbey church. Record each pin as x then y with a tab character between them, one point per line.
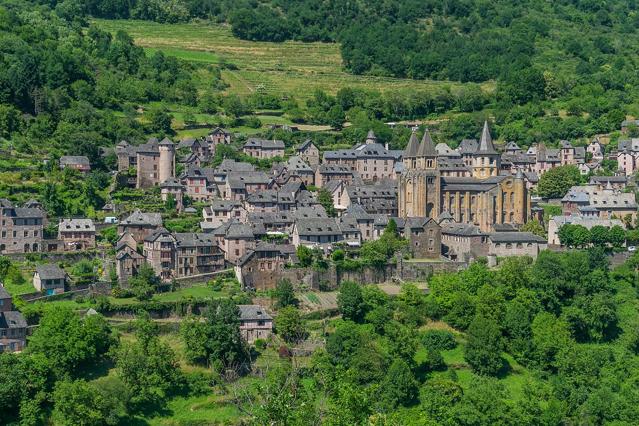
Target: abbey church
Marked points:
480	196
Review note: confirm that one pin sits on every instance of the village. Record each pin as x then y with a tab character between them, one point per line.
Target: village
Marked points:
451	206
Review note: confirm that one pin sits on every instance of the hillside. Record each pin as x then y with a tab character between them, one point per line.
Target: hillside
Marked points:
294	68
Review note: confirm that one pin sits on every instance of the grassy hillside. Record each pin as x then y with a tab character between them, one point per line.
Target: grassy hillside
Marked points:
294	68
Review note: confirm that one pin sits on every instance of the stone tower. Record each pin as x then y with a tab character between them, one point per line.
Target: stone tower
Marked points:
166	167
420	183
370	137
486	161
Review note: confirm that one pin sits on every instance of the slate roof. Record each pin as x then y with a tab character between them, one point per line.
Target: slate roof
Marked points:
4	294
328	169
172	183
74	160
76	225
253	313
412	146
50	271
318	226
462	229
264	143
304	145
427	147
12	319
239	180
468	146
192	239
137	218
486	142
296	163
28	213
238	230
228	166
516	237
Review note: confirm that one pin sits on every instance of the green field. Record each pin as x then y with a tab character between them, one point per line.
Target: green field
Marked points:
293	68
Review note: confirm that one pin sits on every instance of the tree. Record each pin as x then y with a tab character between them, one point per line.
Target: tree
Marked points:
218	340
144	284
326	200
556	182
617	236
148	367
350	301
399	386
599	236
70	342
160	122
483	350
304	255
535	227
289	324
285	294
550	335
79	403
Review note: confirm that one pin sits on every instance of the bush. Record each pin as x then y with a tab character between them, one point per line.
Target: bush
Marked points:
441	340
260	344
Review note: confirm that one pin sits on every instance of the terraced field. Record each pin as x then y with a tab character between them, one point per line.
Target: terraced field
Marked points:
293	68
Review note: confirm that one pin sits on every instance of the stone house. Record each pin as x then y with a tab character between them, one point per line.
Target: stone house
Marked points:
220	211
140	225
173	188
608	202
238	239
75	162
309	153
76	234
337	189
154	161
424	237
194	146
503	244
50	279
293	170
316	232
182	254
263	148
199	183
216	137
255	323
596	150
21	229
239	184
463	242
127	260
329	172
371	160
13	326
260	268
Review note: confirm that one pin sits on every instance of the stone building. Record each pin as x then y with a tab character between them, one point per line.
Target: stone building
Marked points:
326	173
76	234
75	162
260	268
485	199
503	244
255	323
153	160
308	152
182	254
127	260
263	148
50	279
13	326
140	225
21	228
371	160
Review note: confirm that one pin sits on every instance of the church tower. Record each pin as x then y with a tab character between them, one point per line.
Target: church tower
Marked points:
420	183
486	161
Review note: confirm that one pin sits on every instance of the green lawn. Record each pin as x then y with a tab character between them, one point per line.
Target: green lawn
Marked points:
200	410
295	68
199	291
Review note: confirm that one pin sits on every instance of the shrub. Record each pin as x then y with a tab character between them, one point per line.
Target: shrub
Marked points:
441	340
